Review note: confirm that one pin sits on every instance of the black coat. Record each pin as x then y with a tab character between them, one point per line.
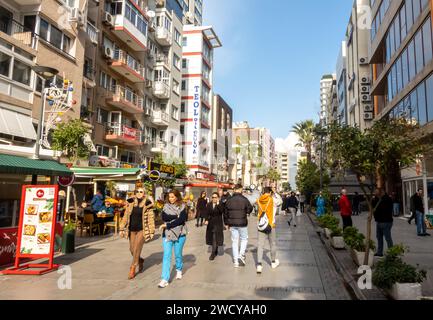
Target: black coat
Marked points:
201	208
236	210
215	224
416	203
290	202
383	213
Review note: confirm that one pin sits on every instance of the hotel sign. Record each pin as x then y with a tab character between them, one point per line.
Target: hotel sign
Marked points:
196	122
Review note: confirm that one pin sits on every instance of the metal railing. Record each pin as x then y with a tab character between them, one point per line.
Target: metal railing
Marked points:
129	96
19	32
125	58
161	88
123	131
163	58
160	116
92	32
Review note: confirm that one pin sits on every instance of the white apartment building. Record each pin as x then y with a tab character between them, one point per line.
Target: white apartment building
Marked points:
326	84
197	97
282	165
341	82
193	11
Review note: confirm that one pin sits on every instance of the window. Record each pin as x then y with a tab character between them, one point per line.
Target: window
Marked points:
177	37
409	15
429	91
21	72
419	52
184	63
411	58
183	85
136	18
182	130
102	117
422	108
55	36
176	61
182	107
176	88
427	40
405	68
43	29
184	41
5	62
127	156
175	112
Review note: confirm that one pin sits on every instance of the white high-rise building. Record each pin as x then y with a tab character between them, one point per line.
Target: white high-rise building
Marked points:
197	97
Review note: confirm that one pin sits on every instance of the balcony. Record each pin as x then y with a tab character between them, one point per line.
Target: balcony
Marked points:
161	118
127	66
17	31
159	146
163	59
126	100
163	36
89	74
161	90
92	33
28	2
116	133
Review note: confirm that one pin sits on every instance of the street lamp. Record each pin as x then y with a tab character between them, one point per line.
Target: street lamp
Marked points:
45	73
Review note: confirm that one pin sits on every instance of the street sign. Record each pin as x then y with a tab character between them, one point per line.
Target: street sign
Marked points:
162	168
154	175
66	181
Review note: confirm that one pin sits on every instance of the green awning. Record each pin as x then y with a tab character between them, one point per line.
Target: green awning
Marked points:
22	165
105	171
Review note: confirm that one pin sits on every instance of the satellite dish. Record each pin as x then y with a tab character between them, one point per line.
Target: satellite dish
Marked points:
151	14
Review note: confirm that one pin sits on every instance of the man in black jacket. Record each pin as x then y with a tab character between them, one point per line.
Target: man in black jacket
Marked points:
384	220
235	216
417	209
290	205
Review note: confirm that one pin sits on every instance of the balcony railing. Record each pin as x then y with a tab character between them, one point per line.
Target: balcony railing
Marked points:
161	117
92	33
17	31
129	96
123	132
163	58
123	57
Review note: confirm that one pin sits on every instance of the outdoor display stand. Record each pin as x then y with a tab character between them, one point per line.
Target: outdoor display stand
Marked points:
36	232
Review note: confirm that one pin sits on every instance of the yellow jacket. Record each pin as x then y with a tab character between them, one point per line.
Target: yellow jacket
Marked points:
266	204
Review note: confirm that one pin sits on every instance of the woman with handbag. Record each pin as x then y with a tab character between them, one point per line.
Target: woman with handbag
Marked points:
174	233
266	226
138	224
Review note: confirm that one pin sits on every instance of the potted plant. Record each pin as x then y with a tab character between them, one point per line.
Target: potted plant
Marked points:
68	238
337	240
401	280
357	243
328	222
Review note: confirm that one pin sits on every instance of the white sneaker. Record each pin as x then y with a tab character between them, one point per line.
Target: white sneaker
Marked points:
163	284
259	268
275	264
179	275
236	264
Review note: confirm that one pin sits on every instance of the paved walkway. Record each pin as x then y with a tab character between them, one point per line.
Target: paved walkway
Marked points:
99	271
420	248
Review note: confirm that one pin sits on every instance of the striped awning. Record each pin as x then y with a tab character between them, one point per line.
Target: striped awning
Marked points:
21	165
16	124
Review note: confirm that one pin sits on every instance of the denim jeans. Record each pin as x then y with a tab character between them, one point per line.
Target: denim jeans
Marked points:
166	260
421	227
383	229
272	239
396	209
242	234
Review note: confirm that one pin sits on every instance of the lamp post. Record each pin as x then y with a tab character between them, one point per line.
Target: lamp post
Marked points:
45	73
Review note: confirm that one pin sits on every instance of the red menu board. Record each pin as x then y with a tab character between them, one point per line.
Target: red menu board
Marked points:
36	231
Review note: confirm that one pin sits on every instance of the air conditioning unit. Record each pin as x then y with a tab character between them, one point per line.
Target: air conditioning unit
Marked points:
365	98
368	108
149	83
77	16
108	19
363	61
368	116
365	89
365	79
107	52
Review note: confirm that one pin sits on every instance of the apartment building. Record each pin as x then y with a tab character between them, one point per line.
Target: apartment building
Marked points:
326	84
282	166
193	11
358	98
199	44
35	32
222	124
341	83
400	53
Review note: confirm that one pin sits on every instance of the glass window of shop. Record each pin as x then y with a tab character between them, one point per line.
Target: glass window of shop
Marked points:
429	93
422	108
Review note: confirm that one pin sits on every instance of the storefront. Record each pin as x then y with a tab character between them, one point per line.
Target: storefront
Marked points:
15	172
414	178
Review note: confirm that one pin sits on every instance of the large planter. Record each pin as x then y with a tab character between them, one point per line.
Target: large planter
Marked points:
328	233
358	257
405	291
68	241
338	242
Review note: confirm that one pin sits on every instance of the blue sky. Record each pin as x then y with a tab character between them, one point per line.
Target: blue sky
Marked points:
273	56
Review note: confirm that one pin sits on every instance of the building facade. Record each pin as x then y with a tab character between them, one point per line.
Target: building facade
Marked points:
400	54
341	82
197	97
326	84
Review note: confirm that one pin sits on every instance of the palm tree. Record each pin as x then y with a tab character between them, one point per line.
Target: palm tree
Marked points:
305	132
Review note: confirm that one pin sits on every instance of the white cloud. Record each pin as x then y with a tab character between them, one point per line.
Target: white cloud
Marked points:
288	144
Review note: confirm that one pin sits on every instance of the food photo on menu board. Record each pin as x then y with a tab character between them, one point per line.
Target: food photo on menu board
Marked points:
38	221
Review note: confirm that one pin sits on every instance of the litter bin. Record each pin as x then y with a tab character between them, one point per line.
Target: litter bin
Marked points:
68	241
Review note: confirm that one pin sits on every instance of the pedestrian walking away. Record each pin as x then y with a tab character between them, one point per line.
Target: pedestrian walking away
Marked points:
290	205
266	229
235	216
345	209
395	204
384	221
201	209
174	232
417	204
138	225
302	202
320	205
215	226
356	203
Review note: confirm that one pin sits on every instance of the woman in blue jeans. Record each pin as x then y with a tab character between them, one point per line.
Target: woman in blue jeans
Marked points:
174	233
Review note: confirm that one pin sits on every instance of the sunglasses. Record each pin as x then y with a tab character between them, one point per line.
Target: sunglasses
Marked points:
214	197
139	192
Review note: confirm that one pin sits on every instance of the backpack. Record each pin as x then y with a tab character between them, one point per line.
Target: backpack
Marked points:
263	225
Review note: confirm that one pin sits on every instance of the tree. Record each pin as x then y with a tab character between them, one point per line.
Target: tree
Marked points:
305	132
68	138
372	154
286	186
308	178
180	168
273	175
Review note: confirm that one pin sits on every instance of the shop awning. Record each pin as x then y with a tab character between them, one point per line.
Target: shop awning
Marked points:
16	124
105	171
21	165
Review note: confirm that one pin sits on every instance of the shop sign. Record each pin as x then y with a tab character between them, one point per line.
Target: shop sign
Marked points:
154	175
36	230
66	181
196	122
162	168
